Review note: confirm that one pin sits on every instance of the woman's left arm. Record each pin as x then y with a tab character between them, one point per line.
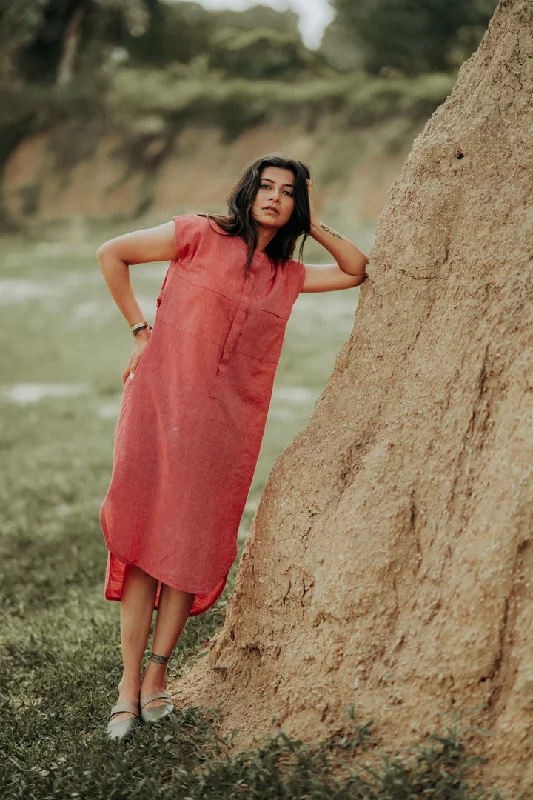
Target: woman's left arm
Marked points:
349	269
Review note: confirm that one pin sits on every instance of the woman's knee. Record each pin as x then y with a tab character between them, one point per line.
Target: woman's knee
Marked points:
135	573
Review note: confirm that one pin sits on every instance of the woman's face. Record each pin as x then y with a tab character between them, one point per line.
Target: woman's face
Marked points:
274	202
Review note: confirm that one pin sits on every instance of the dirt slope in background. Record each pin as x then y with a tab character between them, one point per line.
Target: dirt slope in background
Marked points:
390	560
197	170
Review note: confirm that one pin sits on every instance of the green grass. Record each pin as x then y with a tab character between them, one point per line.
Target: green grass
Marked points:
59	638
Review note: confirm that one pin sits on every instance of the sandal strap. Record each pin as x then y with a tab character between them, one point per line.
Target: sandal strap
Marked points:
148	698
125	706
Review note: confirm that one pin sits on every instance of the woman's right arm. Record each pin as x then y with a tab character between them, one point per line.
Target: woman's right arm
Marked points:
115	257
139	247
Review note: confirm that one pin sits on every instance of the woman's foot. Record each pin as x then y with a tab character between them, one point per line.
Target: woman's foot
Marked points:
125	714
128	692
154	682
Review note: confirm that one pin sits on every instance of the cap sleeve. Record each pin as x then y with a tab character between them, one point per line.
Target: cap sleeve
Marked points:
299	270
187	231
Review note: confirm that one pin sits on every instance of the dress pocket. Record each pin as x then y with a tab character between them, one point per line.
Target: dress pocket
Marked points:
211	281
279	306
263	333
194	309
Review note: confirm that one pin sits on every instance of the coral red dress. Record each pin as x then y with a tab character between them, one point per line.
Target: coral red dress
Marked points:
192	419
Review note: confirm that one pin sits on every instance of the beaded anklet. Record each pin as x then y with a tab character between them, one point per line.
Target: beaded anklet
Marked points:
159	659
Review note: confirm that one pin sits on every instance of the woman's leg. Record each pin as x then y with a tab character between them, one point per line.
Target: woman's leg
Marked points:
136	606
172	614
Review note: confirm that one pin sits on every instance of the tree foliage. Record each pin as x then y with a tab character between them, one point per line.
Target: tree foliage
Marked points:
257	16
176	32
48	41
411	36
262	54
39	37
57	41
185	31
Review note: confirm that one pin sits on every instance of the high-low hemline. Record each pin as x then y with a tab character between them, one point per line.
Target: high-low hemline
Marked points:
202	602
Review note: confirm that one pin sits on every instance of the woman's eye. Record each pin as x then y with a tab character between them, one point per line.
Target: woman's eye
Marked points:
267	186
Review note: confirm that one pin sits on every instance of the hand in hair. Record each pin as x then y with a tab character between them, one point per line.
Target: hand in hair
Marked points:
311	209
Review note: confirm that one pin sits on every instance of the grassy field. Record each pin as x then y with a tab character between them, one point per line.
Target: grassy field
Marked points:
64	347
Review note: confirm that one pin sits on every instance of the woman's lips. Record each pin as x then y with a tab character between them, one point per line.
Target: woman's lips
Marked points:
271	211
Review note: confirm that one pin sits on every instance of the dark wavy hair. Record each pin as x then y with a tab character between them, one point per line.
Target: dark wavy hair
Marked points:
240	222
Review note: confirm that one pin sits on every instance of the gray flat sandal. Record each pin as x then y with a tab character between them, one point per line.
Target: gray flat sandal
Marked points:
119	730
157	712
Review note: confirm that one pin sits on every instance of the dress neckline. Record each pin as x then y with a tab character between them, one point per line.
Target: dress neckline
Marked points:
258	254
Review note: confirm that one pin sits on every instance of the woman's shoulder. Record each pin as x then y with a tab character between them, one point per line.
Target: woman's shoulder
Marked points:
198	223
188	229
191	221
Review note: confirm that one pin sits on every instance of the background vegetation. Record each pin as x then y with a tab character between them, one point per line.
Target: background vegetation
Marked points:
103	63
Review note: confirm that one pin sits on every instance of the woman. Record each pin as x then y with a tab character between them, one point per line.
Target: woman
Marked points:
196	394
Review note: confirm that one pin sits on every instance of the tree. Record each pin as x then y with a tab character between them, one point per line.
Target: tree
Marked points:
261	53
413	36
258	16
42	40
181	31
176	32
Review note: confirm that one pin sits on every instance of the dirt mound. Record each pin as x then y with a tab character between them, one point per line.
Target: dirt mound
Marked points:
390	560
